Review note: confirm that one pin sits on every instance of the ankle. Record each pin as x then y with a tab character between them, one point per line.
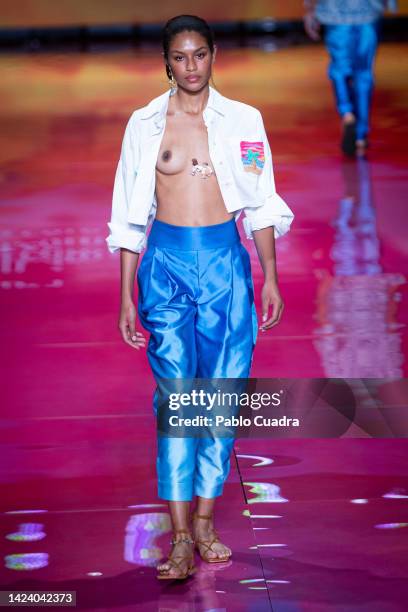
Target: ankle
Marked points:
202	516
348	118
182	536
203	523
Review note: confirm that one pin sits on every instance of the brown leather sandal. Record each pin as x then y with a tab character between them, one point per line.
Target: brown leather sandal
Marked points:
209	543
163	573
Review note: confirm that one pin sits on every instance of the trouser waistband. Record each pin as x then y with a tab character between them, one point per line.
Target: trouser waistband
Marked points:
191	238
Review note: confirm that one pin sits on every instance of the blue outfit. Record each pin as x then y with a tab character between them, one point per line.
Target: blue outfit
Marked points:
195	286
196	299
351	33
352	50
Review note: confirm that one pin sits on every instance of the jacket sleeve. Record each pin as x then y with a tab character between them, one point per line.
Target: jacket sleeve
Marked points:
123	234
272	210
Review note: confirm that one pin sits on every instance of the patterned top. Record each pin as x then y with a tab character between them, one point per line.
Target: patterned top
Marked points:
350	12
252	156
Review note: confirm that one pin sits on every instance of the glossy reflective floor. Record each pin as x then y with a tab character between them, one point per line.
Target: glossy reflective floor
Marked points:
315	525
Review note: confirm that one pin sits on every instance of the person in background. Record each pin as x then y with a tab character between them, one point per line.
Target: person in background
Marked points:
351	33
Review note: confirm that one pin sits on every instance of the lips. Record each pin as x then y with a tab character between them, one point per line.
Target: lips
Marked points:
192	79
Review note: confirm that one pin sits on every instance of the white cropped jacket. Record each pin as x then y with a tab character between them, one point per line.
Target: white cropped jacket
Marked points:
239	152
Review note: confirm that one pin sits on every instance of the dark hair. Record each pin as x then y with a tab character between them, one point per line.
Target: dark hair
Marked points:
182	23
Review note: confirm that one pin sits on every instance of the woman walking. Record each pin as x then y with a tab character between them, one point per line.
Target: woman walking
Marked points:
351	30
192	160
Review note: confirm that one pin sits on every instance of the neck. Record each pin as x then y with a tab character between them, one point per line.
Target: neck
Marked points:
189	102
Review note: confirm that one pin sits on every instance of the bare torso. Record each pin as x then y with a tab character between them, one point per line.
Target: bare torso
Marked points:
183	198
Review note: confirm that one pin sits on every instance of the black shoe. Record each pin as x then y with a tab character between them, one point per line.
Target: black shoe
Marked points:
348	143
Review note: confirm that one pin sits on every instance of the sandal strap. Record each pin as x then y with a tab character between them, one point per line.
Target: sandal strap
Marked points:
185	540
181	557
188	540
204	553
201	516
212	531
176	564
206	544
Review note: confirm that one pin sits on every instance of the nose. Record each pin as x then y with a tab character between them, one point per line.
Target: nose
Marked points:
191	65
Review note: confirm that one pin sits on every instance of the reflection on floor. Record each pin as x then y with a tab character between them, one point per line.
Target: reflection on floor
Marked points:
315	525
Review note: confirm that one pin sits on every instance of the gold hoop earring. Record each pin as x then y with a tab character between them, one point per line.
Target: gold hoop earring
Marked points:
172	80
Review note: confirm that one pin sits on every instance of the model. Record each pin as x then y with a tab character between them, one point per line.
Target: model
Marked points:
351	33
192	160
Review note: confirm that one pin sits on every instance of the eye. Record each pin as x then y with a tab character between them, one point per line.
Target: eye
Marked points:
201	54
178	57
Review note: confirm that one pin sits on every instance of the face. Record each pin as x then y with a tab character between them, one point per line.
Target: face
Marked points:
190	60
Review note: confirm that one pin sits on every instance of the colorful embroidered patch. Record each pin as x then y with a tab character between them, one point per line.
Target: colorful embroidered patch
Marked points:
252	156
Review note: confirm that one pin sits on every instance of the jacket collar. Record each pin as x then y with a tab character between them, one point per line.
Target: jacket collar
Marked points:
157	108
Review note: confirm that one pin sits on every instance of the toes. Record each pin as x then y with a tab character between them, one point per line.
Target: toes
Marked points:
224	554
170	570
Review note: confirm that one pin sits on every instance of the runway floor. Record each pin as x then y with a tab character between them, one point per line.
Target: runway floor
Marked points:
315	524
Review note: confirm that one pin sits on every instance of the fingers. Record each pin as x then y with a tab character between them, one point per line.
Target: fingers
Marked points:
312	27
131	324
316	30
313	34
132	337
127	327
277	310
137	341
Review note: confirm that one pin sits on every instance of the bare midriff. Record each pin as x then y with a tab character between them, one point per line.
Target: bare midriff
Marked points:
184	198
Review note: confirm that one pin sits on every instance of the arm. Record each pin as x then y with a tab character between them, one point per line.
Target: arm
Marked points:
311	24
264	223
127	316
270	296
127	238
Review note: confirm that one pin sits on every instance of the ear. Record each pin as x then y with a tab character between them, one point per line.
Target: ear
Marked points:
214	54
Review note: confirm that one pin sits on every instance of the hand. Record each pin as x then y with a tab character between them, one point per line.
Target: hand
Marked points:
312	26
271	297
127	326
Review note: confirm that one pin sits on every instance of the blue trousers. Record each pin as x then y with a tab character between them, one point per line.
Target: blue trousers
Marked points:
352	50
196	299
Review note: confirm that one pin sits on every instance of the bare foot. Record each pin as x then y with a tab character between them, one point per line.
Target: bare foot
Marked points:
348	118
181	554
205	532
361	148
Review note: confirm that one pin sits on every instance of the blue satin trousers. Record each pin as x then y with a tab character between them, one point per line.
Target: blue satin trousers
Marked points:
196	300
352	50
